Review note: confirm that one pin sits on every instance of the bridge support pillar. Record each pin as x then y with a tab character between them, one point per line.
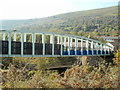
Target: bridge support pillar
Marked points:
33	43
22	42
68	45
87	45
9	44
4	35
61	45
24	37
108	51
104	49
58	40
101	48
43	42
70	42
52	42
96	48
65	42
76	45
81	46
14	36
92	47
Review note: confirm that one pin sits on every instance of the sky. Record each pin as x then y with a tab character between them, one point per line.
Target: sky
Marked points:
28	9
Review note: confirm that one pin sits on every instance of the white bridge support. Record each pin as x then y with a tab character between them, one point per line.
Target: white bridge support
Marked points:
66	45
4	36
14	36
87	46
92	47
22	42
65	42
43	42
76	45
9	45
81	46
108	50
24	37
58	40
105	49
96	48
33	43
52	42
101	46
69	46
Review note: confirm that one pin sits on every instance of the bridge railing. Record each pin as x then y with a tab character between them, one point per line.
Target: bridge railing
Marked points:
42	44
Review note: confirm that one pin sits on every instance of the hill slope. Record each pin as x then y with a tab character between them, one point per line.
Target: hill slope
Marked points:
102	21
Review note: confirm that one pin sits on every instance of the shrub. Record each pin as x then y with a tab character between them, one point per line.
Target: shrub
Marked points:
91	77
117	57
87	76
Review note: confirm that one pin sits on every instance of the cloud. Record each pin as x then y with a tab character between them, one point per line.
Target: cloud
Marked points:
12	9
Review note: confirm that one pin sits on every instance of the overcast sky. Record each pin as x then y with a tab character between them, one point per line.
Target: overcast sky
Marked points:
27	9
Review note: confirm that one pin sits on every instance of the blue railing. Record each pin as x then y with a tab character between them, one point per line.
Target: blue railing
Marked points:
84	52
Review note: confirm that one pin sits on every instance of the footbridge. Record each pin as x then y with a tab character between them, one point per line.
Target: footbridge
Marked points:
16	43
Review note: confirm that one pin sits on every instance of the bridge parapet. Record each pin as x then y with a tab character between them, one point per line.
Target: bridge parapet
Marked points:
16	43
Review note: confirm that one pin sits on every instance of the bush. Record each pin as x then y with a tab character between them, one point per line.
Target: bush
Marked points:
117	57
87	76
91	77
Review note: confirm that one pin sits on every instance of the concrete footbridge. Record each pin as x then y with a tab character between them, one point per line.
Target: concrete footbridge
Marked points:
22	43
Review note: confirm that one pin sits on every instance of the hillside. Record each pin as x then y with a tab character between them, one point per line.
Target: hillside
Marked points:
100	21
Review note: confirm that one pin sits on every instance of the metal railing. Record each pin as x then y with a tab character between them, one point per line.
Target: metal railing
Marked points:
23	43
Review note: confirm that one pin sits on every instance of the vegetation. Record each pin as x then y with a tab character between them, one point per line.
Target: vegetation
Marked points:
98	22
91	77
75	77
117	57
101	76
